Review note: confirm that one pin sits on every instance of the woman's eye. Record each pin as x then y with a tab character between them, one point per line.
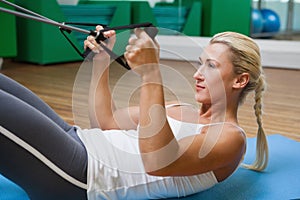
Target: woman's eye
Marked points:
211	65
199	64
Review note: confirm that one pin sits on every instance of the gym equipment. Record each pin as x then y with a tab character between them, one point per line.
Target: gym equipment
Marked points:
271	21
148	27
256	21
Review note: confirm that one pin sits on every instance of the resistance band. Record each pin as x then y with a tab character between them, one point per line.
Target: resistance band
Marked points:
148	27
99	37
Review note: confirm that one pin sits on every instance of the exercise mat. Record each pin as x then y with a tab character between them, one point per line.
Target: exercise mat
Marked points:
279	181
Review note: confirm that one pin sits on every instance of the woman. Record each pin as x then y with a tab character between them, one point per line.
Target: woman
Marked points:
154	150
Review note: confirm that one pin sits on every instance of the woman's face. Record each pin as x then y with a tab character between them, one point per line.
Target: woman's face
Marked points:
214	77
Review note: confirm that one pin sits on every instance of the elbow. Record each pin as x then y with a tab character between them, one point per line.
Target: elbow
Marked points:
149	170
103	124
154	167
159	172
108	125
150	166
161	161
154	173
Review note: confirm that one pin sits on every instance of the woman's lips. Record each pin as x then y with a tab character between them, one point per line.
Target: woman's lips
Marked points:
199	87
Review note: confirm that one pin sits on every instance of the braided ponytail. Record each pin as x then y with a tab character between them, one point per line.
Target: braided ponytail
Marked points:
262	153
245	56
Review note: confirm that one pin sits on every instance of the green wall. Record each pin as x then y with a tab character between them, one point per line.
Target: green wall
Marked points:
8	36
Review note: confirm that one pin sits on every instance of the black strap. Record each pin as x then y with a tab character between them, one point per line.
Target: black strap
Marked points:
88	54
72	44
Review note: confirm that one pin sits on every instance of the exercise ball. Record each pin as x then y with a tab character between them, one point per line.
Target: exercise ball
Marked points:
271	20
256	21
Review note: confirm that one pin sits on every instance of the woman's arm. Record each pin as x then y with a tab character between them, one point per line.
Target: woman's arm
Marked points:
156	140
102	110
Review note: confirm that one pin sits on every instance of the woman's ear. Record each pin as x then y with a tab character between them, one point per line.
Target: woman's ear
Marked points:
241	81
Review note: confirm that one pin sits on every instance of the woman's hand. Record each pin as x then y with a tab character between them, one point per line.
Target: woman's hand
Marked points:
91	43
142	53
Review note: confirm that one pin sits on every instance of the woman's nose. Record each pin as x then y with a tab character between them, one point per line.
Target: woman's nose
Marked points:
198	74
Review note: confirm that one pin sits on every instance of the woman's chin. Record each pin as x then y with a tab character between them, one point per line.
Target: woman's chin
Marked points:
201	99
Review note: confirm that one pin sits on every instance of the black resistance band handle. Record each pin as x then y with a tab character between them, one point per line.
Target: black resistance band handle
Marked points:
149	29
98	37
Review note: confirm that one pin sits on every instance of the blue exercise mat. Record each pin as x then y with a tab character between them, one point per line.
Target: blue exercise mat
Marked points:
279	181
10	191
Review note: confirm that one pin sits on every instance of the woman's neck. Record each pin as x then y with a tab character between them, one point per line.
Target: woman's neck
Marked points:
219	113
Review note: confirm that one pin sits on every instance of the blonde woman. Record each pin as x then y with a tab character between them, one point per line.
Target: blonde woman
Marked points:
154	150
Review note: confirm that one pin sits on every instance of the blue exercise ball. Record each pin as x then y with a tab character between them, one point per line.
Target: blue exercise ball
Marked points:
271	20
256	21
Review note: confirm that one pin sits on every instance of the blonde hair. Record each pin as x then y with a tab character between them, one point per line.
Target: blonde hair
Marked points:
245	56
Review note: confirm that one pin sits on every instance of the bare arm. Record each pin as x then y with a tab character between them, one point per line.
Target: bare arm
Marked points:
156	140
220	149
102	110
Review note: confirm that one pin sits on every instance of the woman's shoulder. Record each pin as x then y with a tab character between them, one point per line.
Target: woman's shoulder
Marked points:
226	128
228	137
233	129
231	148
232	137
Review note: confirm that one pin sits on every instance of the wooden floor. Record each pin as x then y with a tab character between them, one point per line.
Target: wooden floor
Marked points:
54	84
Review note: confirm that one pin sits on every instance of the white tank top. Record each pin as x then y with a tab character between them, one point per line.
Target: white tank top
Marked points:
116	171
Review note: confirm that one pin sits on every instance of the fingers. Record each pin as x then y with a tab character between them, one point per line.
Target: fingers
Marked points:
132	45
141	51
109	34
99	28
92	44
142	40
140	33
106	34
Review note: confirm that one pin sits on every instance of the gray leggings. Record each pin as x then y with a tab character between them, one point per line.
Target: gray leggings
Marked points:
26	116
